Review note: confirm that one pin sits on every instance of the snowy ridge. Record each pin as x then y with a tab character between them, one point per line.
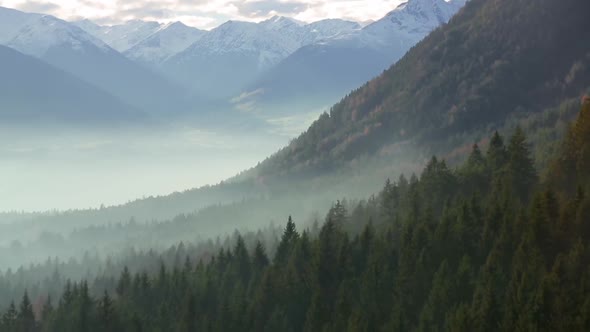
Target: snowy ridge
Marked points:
167	41
121	37
271	40
249	39
11	21
41	33
304	34
414	19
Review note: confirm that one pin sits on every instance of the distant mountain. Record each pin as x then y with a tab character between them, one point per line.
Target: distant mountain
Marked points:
413	19
121	37
167	41
305	34
11	21
42	34
223	61
70	48
34	93
228	57
319	73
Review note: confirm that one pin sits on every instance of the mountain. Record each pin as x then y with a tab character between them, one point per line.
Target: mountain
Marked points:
305	34
121	37
33	92
317	74
167	41
42	34
413	19
494	60
70	48
11	21
226	59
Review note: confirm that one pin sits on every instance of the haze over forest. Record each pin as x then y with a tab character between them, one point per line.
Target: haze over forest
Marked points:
300	166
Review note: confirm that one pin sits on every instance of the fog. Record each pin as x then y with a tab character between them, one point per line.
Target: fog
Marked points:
65	168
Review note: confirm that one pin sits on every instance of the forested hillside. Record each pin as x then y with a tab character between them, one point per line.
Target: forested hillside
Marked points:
495	58
485	247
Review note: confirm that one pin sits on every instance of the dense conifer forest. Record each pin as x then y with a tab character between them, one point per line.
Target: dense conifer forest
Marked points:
488	246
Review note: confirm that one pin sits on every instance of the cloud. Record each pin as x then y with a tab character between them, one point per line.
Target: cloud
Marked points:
246	102
206	14
38	7
265	8
247	95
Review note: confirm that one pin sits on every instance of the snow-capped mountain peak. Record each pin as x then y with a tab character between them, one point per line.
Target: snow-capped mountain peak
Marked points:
278	22
44	32
414	19
330	28
124	36
169	40
237	36
11	21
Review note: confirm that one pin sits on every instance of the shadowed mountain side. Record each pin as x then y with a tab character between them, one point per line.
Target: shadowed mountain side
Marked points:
32	91
314	75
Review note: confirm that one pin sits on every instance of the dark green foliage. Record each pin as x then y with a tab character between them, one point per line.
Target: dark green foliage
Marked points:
445	257
26	317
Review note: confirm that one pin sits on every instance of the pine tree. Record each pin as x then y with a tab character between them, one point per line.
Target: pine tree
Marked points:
287	243
242	261
522	171
106	312
26	317
10	318
496	156
124	284
259	258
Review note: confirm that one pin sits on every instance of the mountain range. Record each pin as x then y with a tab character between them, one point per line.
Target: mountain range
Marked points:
170	69
319	73
67	47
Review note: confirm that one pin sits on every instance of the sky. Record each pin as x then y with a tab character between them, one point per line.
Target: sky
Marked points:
205	14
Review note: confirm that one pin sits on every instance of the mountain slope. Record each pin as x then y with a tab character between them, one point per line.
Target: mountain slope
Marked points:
169	40
317	74
494	59
68	47
32	92
121	37
305	34
11	21
228	58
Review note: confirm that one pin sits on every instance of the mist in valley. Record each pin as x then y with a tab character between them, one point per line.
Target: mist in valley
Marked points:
65	168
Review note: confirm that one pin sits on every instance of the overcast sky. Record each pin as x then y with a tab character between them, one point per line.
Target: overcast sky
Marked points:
205	13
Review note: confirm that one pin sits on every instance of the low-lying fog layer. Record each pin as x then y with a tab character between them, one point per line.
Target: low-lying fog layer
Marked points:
64	169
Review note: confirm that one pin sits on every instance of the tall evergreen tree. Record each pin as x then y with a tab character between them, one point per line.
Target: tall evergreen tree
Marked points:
26	317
